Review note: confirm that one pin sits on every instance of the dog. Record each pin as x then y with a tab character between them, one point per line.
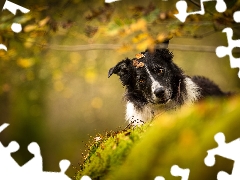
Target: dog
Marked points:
155	84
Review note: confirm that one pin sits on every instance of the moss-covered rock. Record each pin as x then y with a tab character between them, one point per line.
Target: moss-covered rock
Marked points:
108	151
181	137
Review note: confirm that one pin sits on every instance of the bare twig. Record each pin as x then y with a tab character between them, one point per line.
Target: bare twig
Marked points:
84	47
87	47
117	46
192	48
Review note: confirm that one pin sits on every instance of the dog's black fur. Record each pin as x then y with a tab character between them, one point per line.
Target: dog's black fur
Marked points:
158	85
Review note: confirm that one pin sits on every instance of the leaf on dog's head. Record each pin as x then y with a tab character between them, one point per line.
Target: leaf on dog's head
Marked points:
135	62
141	64
139	56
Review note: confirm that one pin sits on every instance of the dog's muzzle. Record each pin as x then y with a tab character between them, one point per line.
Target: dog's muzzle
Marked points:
162	95
159	92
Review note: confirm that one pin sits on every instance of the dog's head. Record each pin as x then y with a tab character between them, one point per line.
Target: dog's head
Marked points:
150	75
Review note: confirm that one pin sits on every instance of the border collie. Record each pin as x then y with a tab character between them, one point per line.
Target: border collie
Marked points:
155	84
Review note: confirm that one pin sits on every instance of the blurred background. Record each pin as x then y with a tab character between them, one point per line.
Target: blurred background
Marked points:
54	88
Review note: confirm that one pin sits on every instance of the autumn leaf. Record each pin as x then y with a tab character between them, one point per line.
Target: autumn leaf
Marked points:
25	62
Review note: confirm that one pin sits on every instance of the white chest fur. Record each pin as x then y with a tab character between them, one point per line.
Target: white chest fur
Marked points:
138	117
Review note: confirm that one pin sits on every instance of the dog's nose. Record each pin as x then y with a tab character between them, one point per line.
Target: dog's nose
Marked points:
159	92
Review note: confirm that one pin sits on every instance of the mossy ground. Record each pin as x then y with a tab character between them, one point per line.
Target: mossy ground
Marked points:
108	151
180	137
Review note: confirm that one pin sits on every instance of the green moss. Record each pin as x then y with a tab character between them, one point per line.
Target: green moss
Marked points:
108	151
181	137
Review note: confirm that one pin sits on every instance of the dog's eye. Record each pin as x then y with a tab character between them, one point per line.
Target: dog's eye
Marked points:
141	81
161	71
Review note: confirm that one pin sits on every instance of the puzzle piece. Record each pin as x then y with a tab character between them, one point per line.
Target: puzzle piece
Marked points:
33	169
177	171
236	16
63	164
2	46
159	178
182	9
228	150
12	7
3	126
110	1
85	178
222	51
16	27
35	164
5	156
40	175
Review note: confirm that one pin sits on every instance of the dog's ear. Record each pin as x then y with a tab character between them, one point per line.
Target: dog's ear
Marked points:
124	70
159	46
120	69
164	44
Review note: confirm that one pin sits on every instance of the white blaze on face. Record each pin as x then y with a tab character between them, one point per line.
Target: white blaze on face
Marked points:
155	84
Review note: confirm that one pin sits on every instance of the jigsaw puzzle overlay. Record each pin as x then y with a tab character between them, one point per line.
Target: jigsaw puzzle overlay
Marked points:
228	150
33	169
182	9
177	171
221	51
16	27
110	1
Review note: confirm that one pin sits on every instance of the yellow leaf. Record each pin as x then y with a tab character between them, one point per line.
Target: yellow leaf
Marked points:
29	42
90	76
161	37
3	55
125	48
43	21
25	62
140	37
139	25
146	44
30	27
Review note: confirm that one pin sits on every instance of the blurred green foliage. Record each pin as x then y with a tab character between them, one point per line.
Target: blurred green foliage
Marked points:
181	138
53	85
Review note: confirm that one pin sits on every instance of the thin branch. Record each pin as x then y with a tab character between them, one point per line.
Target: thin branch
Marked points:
87	47
117	46
84	47
192	48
